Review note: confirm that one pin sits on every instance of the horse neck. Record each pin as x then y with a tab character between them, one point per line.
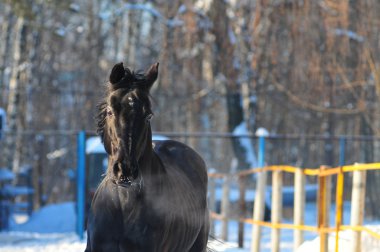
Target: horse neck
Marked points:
148	151
150	163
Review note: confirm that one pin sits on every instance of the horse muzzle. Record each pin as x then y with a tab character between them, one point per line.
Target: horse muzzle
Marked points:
125	171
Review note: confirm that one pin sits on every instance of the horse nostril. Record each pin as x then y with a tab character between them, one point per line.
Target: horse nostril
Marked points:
123	179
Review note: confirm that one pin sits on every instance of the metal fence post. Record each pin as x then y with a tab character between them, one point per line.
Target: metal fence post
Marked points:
81	173
261	153
225	206
339	206
324	204
342	150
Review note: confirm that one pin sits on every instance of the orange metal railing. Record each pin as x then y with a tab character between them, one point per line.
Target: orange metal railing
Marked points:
323	173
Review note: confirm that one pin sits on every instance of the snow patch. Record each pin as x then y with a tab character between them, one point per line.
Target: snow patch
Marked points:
6	174
369	243
246	143
262	132
32	242
350	34
55	218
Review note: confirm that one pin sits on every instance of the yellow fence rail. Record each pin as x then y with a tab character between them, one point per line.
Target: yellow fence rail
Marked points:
324	200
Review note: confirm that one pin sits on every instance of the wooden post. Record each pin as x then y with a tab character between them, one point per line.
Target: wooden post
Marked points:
357	207
259	206
211	203
276	209
258	211
225	207
242	208
299	206
324	203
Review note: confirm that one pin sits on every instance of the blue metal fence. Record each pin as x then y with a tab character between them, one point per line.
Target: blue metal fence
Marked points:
81	180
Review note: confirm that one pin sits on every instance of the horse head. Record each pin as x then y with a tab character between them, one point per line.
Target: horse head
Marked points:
124	120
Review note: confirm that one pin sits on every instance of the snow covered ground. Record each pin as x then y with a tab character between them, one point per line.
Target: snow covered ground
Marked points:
369	244
52	229
49	229
35	242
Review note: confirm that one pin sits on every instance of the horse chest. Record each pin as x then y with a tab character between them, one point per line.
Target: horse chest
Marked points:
162	220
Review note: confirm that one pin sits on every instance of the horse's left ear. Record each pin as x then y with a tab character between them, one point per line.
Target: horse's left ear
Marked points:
117	73
151	75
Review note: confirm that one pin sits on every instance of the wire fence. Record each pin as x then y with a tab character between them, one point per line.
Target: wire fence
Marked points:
53	154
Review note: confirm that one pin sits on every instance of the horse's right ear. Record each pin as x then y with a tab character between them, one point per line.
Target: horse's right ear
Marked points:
117	73
151	75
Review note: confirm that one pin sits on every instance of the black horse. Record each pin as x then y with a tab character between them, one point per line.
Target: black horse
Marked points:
153	197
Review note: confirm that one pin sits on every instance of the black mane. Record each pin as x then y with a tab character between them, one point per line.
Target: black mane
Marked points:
101	118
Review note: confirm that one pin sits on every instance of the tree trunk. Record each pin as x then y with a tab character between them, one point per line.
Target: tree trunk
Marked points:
227	74
5	50
13	140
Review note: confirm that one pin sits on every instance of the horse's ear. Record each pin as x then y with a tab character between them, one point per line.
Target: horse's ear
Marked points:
151	75
117	73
